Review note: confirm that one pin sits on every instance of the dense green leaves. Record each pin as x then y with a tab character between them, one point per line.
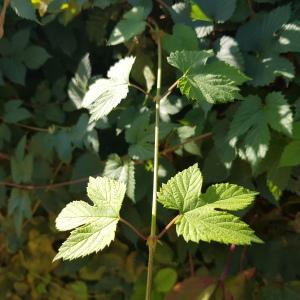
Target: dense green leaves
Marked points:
78	86
204	217
105	94
252	120
121	170
212	82
96	224
182	191
133	23
183	38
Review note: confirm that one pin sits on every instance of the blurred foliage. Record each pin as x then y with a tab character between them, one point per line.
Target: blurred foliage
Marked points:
52	50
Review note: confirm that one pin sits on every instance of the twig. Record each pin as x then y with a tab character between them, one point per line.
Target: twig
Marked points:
2	17
133	229
43	187
226	268
191	265
141	90
168	226
187	141
33	128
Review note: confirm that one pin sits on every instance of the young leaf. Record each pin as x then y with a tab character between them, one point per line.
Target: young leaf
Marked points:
200	216
228	196
96	223
253	119
105	94
207	224
182	191
214	82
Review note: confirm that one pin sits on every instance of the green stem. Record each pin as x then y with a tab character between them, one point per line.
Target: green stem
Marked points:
152	239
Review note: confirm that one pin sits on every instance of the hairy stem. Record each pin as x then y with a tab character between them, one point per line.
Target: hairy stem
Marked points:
152	238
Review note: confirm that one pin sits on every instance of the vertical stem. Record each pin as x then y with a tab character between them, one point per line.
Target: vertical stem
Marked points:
152	238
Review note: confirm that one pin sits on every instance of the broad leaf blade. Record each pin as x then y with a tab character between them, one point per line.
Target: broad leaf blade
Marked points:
182	191
206	224
105	94
106	193
87	239
228	196
78	213
97	224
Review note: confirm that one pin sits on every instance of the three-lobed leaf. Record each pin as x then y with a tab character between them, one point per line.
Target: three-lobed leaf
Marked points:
205	217
214	81
95	224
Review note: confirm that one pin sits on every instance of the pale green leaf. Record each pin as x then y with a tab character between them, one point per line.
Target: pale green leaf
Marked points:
198	14
182	191
228	196
105	94
96	224
206	224
106	193
88	238
78	213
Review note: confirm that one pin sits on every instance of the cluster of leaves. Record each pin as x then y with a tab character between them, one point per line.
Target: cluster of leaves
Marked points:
54	134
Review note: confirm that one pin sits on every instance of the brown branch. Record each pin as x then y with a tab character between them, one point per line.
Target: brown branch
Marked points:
168	226
2	17
43	187
133	229
192	139
33	128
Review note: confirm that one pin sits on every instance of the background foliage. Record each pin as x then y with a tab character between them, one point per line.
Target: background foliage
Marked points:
52	51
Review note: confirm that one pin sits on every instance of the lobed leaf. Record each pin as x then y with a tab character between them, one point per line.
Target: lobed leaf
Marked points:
96	224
